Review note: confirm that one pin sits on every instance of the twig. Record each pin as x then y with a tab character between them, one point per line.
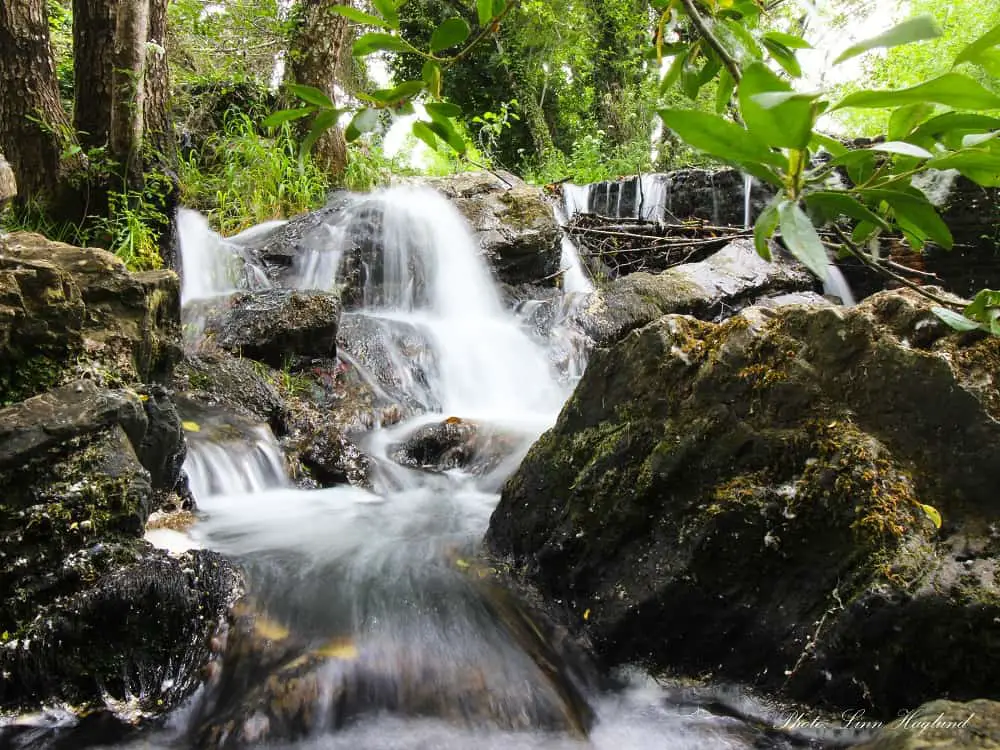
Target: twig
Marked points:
714	43
914	271
876	266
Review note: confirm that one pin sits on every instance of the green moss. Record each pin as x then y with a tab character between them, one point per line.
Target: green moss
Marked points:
23	378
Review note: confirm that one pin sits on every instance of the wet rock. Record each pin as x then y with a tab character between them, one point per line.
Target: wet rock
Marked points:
67	311
393	357
271	684
942	724
135	640
454	444
747	499
278	326
716	196
514	224
331	458
239	384
712	289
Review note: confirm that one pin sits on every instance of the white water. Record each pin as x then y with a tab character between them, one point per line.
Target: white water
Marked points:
383	568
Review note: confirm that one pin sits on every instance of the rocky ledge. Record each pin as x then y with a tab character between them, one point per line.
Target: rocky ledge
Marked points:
759	500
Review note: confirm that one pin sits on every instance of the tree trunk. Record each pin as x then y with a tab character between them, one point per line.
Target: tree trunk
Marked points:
318	57
93	66
34	129
159	128
128	89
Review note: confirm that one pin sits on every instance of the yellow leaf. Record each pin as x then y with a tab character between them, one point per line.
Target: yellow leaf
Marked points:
453	420
270	630
933	514
338	649
143	397
586	614
191	426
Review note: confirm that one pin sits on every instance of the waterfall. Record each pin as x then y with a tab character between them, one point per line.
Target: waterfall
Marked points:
747	188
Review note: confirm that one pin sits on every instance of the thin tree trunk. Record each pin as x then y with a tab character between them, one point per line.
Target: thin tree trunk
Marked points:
159	133
128	90
93	66
35	133
318	57
534	115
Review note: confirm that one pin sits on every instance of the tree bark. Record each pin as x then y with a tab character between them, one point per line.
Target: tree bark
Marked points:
318	57
35	132
128	89
159	127
93	66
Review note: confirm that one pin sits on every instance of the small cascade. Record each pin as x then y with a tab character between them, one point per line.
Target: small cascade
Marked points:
234	462
213	266
836	285
747	189
652	201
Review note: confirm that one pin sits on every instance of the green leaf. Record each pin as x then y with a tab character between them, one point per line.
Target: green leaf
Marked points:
276	119
452	31
738	41
951	89
364	121
832	145
786	123
904	148
445	130
830	204
956	320
904	119
973	51
977	139
442	109
359	16
366	44
724	91
912	30
914	214
788	40
405	90
763	230
388	10
431	73
484	9
784	57
982	167
932	513
673	72
424	133
498	6
323	122
310	95
801	239
721	138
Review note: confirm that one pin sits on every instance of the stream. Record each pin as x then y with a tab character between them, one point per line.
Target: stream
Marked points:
383	574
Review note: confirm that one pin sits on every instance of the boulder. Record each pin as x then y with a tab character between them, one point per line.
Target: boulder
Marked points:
67	311
942	724
90	611
454	444
277	326
513	223
714	288
757	500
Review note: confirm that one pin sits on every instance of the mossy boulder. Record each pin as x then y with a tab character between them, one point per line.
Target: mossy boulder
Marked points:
455	443
67	311
942	724
712	289
513	223
88	609
746	499
277	326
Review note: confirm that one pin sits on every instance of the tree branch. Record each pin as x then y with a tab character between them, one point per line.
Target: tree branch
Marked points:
702	26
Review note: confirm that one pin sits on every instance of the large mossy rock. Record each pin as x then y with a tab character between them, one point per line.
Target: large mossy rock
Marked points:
512	221
87	607
277	326
942	724
745	499
66	311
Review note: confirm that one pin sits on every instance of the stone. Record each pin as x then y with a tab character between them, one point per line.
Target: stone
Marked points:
277	326
942	724
714	288
513	223
454	444
67	311
757	500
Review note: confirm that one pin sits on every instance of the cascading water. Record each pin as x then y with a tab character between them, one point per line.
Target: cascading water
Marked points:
378	581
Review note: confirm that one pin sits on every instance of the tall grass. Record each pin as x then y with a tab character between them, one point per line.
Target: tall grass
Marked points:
240	178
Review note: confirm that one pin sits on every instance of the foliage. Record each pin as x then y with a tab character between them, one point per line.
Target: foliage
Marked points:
934	124
592	159
239	178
